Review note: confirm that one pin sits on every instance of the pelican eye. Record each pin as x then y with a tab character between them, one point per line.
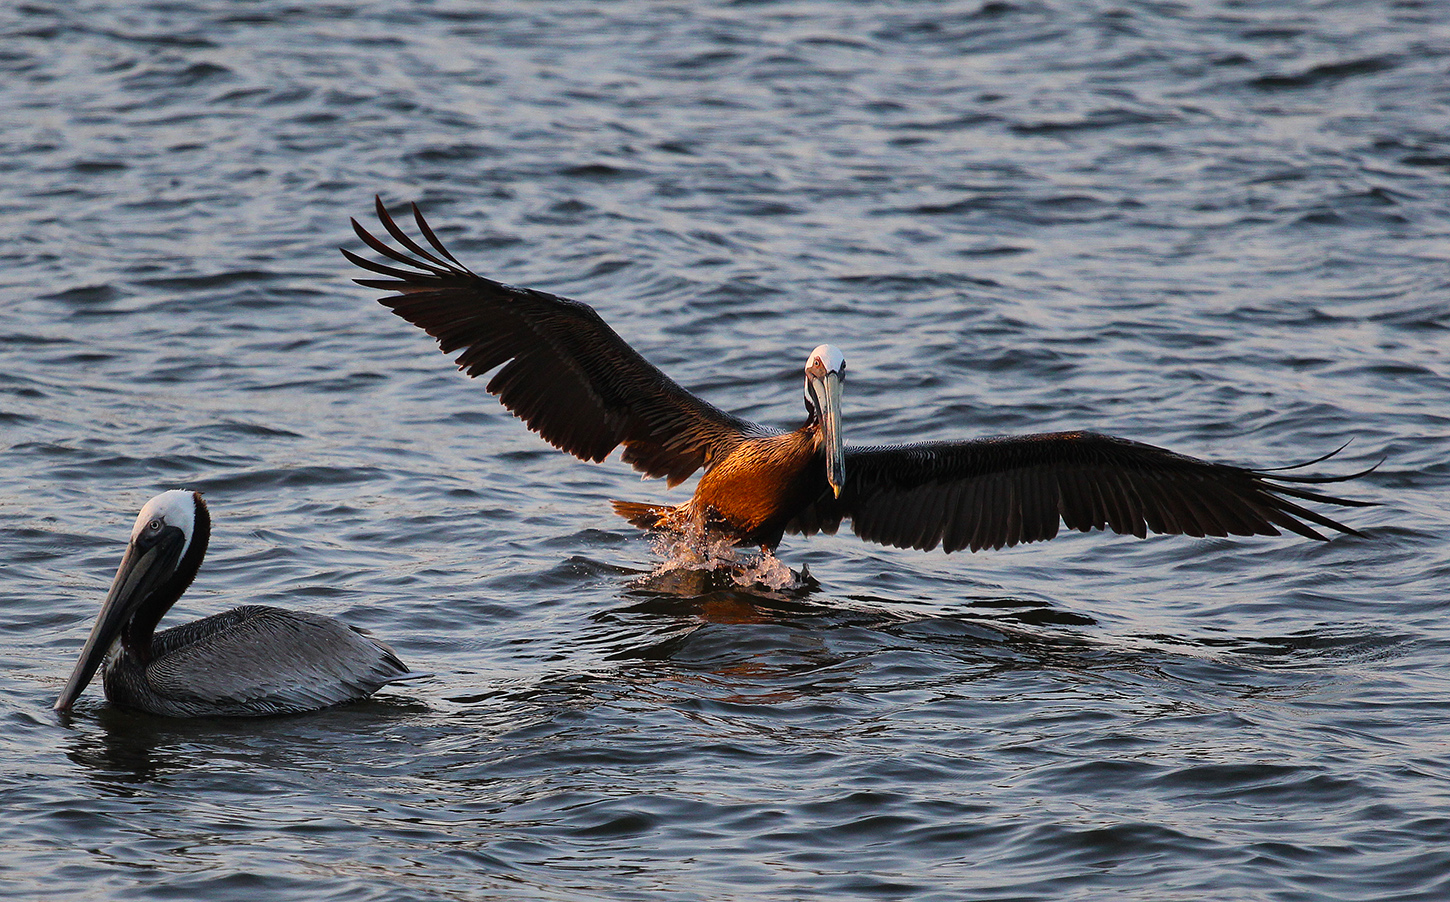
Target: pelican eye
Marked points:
154	525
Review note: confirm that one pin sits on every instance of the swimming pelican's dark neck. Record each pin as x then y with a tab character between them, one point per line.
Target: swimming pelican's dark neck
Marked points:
137	633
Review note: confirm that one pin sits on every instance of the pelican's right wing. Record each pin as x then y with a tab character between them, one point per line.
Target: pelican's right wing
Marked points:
564	372
993	492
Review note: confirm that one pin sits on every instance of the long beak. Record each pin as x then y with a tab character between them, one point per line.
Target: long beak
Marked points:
828	393
137	577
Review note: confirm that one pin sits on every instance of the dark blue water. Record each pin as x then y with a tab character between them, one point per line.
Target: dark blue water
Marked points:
1217	226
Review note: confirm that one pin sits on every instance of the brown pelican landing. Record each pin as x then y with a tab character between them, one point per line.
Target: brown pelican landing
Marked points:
246	662
566	374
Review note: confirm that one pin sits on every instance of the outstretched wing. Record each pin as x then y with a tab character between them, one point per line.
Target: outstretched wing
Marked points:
1001	491
564	372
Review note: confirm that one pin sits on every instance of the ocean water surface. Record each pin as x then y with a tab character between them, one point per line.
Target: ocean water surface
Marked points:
1222	227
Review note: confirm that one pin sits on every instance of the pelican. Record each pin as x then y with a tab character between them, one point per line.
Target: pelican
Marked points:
573	380
246	662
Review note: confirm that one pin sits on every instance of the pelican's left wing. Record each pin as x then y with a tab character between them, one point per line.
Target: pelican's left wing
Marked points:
1001	491
263	660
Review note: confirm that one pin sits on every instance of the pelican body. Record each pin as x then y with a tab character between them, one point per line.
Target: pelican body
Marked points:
250	661
573	380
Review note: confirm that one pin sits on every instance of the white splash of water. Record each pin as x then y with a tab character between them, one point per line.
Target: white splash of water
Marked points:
698	550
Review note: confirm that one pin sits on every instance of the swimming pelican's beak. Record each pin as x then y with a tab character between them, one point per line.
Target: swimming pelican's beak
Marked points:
144	567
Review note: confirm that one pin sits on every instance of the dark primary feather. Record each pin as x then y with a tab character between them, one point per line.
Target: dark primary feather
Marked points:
564	372
1001	491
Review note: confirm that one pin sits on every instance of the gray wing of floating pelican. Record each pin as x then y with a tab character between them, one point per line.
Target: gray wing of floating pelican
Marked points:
565	372
256	660
997	492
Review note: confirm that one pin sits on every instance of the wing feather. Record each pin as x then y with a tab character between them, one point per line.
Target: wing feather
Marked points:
264	660
561	368
997	492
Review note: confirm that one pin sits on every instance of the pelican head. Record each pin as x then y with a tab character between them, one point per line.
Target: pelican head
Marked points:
825	376
166	547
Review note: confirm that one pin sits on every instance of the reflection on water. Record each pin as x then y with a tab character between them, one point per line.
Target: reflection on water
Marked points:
124	747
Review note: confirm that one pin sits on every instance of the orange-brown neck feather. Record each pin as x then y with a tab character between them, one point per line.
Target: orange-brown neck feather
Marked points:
764	482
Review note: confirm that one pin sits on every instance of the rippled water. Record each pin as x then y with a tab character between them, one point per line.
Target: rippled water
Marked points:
1217	226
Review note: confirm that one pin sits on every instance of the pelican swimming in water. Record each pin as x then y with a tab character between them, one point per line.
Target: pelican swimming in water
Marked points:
246	662
573	380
